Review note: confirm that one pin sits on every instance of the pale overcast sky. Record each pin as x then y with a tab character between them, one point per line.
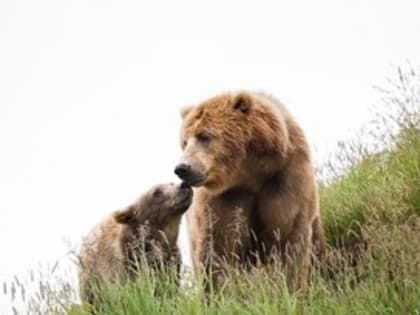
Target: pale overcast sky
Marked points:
90	93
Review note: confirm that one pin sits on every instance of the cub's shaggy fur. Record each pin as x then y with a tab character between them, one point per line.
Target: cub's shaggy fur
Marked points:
145	232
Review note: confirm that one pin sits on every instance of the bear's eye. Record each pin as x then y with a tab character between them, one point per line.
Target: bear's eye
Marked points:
204	137
184	144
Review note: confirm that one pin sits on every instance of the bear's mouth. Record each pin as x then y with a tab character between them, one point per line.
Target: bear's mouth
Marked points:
194	181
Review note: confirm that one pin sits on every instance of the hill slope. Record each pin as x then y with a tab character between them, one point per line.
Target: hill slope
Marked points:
371	217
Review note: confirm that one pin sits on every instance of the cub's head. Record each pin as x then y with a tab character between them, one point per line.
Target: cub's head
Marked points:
161	208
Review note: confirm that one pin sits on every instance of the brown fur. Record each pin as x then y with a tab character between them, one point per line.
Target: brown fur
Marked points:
144	233
253	169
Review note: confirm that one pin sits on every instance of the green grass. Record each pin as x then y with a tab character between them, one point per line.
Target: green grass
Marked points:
382	188
372	222
371	216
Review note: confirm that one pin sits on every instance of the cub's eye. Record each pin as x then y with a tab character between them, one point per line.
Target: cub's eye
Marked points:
204	137
158	193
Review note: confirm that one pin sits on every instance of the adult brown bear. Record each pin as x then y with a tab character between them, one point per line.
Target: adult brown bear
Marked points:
255	191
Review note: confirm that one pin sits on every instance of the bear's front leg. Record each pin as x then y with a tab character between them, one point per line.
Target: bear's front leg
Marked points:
283	232
228	242
221	236
291	250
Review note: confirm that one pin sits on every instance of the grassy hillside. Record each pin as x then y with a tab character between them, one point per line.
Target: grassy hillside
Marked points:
371	215
372	221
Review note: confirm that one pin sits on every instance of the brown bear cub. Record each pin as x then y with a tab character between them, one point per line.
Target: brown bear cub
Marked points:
145	232
255	196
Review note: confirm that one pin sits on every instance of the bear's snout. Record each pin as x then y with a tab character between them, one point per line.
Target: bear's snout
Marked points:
183	170
188	175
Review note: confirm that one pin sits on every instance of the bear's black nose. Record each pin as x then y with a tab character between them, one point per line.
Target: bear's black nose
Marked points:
183	170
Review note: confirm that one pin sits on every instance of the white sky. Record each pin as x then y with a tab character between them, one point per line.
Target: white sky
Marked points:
90	93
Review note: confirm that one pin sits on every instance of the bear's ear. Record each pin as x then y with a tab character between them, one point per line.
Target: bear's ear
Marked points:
185	110
125	216
242	102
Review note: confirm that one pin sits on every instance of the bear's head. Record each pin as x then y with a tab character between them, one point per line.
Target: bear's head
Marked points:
160	209
219	136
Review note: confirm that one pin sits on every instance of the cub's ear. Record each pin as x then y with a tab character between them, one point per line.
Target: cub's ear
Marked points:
125	216
242	102
185	110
